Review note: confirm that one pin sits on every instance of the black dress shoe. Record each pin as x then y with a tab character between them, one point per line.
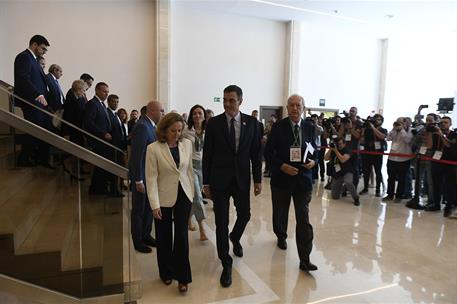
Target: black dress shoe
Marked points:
143	248
447	211
432	207
308	266
237	248
364	191
357	202
282	244
414	204
388	198
151	242
226	276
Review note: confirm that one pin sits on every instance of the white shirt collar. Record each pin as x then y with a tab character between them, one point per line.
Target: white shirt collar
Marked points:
33	54
53	76
237	117
98	99
152	121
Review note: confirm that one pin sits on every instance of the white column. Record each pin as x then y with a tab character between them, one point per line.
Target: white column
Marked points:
163	52
382	75
292	61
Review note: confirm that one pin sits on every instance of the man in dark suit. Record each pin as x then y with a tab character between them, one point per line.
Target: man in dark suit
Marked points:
290	151
30	84
117	134
56	98
97	122
232	144
143	134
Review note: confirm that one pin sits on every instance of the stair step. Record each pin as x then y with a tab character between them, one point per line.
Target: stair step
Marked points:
49	230
92	234
21	211
13	181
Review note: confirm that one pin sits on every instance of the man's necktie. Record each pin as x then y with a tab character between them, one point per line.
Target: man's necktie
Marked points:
60	91
232	134
296	135
107	115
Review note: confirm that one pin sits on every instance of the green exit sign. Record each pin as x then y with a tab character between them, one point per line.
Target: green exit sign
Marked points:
217	99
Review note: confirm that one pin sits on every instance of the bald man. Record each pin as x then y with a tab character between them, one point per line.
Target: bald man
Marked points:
143	134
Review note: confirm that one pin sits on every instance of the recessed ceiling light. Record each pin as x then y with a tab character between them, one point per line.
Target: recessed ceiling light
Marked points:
336	11
390	16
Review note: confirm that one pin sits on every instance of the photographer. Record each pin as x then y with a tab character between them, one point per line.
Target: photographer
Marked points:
397	166
373	141
314	119
444	175
340	156
351	133
331	127
423	146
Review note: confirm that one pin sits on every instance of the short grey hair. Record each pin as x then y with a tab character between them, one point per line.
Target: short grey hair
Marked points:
302	100
78	84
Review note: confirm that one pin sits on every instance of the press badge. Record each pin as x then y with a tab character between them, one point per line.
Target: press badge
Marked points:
437	155
423	150
295	154
337	168
348	137
377	145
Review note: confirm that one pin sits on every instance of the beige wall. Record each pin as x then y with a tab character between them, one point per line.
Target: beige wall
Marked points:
210	51
114	41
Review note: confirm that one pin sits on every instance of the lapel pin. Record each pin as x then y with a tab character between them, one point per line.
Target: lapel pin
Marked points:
244	123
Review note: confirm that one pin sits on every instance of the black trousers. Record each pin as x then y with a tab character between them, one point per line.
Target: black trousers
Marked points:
321	162
396	171
102	178
303	229
369	161
141	217
173	252
221	199
444	183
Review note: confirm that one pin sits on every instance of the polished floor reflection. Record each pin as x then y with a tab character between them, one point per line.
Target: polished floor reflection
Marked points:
376	253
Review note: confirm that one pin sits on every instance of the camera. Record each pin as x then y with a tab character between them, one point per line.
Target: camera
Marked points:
332	145
328	122
430	128
366	122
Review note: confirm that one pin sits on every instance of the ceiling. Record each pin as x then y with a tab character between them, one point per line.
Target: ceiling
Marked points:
385	16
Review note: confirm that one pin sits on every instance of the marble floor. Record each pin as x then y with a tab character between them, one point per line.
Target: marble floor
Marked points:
376	253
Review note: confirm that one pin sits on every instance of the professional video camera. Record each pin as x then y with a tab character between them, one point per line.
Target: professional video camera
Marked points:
346	118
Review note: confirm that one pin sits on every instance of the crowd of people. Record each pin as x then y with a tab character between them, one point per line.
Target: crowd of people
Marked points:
175	160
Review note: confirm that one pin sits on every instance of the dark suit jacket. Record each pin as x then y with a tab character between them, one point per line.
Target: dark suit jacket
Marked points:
143	134
54	96
29	83
73	113
116	131
96	121
277	152
221	163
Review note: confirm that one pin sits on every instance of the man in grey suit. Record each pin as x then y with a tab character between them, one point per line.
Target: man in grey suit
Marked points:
143	134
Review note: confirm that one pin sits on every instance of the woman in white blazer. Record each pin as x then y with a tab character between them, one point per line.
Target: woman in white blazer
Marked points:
170	189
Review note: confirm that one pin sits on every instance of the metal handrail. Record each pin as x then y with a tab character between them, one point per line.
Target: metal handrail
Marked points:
62	143
7	90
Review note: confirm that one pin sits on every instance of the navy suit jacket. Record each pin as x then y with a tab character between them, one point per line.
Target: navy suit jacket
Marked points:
55	94
143	134
96	120
277	152
221	163
29	83
116	131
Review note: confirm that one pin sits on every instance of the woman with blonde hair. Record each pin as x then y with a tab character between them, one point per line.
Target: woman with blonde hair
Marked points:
170	189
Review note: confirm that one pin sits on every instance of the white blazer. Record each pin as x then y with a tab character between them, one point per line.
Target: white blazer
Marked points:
162	176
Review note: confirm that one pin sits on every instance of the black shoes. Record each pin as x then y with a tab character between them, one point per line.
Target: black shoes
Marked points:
282	244
388	198
237	248
151	242
357	202
364	191
308	266
414	204
378	193
226	276
432	207
447	211
143	248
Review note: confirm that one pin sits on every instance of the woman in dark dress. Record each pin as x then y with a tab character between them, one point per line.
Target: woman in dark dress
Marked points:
74	106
